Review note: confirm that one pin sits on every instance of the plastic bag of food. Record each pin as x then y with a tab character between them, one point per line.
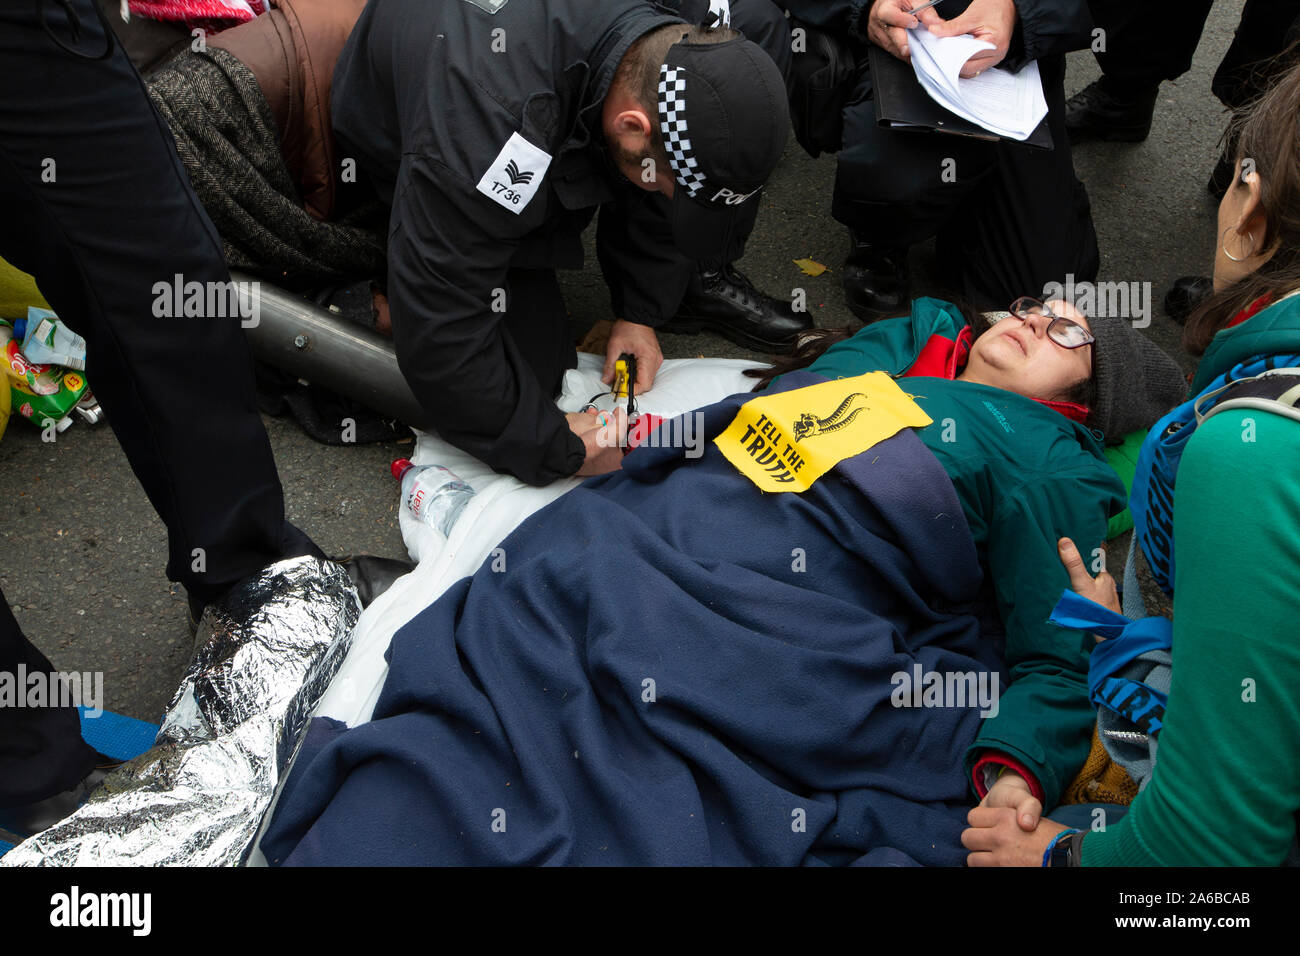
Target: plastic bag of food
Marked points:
43	393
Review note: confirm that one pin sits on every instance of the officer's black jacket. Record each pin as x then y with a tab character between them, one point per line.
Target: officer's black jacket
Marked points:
426	101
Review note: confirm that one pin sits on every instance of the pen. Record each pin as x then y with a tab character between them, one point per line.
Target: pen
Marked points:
925	6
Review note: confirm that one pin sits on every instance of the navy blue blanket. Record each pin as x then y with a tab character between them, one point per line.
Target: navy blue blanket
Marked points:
674	668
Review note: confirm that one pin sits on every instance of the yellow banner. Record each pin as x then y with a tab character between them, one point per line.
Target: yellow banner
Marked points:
786	441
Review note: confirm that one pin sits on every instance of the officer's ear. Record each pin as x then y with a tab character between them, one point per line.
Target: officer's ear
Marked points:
631	126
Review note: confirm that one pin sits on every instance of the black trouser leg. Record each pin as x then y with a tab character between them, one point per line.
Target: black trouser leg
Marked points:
1010	217
900	187
97	206
1147	41
99	209
1267	28
1029	222
41	750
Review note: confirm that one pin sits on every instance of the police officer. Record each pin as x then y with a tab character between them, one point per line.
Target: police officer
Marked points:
1010	217
98	208
495	130
711	295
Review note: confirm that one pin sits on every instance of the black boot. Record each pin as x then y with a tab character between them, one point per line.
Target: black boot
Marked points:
876	279
1098	111
1186	294
23	821
373	575
721	299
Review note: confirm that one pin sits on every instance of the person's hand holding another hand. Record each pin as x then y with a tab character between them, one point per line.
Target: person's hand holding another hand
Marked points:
995	839
991	20
1100	589
603	434
639	340
1012	791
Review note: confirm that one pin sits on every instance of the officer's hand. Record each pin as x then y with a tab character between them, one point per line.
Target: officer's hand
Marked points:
1100	589
990	20
603	434
888	23
642	342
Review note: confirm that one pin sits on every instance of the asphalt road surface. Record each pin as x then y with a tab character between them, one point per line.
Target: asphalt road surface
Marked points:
82	553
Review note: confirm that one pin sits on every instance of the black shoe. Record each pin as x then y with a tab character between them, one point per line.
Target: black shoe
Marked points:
721	299
1221	178
876	280
373	575
32	818
1097	112
1187	293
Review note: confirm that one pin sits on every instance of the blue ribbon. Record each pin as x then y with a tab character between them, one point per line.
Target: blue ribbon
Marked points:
1126	641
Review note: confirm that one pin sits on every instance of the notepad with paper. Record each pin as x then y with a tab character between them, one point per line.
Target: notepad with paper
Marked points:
1008	104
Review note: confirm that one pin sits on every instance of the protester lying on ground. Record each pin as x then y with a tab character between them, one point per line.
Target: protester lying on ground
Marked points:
1013	468
1217	511
674	666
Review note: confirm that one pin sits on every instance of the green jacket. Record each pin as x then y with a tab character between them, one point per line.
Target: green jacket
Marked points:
1226	786
1026	476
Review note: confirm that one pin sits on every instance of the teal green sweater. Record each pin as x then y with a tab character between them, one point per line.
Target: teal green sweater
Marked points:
1226	785
1026	476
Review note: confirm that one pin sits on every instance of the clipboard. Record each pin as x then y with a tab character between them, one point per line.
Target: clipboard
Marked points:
902	103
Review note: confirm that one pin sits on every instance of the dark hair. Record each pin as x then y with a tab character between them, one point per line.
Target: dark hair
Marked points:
1084	392
814	343
1264	132
808	348
638	72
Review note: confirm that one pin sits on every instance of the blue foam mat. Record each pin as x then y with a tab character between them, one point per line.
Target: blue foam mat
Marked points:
113	735
116	735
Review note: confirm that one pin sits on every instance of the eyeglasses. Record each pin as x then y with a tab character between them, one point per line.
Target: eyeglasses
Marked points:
1064	332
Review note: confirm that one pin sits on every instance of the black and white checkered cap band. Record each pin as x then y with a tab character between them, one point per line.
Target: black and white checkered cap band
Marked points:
672	123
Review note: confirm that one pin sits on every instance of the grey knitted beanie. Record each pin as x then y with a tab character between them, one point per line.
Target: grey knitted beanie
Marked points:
1137	382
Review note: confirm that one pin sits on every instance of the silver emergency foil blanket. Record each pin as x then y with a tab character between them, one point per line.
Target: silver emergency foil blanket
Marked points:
264	655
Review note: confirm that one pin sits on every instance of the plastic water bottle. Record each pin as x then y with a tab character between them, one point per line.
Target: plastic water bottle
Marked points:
432	494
